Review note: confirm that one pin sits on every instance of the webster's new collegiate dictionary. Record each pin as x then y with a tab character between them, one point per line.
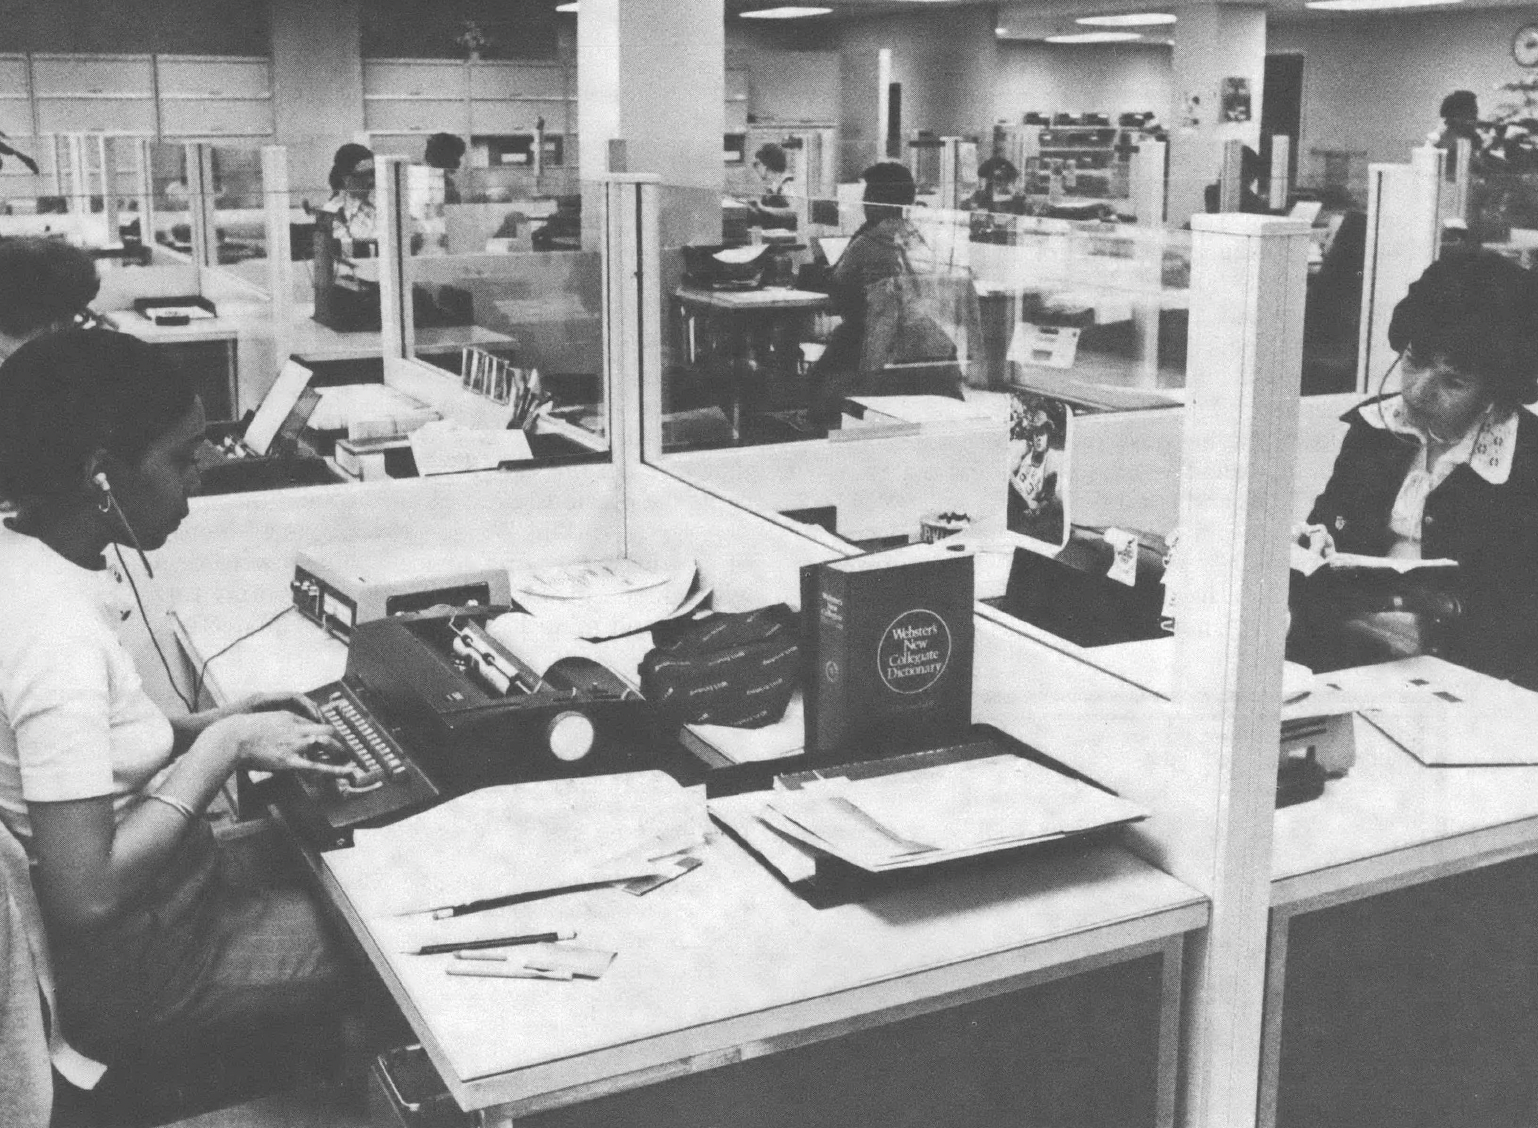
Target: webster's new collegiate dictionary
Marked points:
888	651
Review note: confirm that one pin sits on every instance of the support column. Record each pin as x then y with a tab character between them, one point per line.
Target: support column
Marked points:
652	73
1213	42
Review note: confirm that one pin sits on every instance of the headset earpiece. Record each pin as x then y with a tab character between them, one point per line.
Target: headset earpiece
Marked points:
102	486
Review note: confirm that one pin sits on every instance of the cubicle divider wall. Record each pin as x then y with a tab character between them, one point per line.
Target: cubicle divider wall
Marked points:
1198	748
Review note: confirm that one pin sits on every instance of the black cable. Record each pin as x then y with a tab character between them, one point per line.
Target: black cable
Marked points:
197	686
170	677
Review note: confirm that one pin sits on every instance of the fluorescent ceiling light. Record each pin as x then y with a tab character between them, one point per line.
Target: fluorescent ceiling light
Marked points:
787	13
1095	37
572	7
1128	19
1374	5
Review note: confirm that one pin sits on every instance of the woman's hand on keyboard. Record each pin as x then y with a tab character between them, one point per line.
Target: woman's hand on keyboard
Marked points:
296	703
281	741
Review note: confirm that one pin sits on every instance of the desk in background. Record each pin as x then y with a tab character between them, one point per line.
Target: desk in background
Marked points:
726	964
737	334
207	349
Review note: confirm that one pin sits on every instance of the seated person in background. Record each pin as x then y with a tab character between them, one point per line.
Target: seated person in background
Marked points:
772	209
350	209
155	941
445	151
1447	467
869	337
44	285
1460	121
997	190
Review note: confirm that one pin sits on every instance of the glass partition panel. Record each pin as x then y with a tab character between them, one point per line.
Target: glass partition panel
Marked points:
894	373
508	303
240	213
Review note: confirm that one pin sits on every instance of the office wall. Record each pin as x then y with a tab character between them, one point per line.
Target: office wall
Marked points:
1115	78
317	85
1374	84
944	60
789	79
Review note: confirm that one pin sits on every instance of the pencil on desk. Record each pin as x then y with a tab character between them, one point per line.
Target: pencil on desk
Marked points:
493	942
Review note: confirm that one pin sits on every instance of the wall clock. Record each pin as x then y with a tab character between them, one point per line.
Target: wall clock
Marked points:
1524	45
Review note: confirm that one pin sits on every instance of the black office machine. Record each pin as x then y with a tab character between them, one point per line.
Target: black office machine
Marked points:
432	706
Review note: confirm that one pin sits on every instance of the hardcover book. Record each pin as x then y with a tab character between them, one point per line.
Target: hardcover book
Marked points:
888	651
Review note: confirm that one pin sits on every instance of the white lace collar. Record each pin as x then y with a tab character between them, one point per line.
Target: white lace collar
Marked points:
1488	451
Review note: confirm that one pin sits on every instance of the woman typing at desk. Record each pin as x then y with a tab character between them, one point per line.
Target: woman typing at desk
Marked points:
155	941
1447	467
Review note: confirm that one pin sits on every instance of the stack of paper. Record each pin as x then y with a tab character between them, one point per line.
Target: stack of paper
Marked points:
608	598
443	446
369	411
524	838
935	814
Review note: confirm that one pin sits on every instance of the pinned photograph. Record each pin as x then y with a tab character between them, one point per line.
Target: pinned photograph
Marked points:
1038	468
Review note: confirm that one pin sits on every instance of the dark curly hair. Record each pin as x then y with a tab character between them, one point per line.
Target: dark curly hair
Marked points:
67	395
43	282
1480	312
772	157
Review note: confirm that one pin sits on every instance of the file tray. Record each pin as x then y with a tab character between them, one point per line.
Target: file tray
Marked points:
831	881
181	309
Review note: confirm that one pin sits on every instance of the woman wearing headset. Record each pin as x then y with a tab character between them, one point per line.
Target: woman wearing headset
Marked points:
155	941
1448	466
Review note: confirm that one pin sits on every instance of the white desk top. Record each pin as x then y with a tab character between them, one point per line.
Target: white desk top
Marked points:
726	956
1391	816
721	958
291	655
135	324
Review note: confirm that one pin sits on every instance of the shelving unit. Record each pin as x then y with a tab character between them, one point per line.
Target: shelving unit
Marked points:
487	102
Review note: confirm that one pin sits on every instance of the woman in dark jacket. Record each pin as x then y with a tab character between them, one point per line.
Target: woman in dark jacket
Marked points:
1448	466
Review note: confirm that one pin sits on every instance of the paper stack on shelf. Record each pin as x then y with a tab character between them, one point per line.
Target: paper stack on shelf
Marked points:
523	838
608	598
369	411
935	814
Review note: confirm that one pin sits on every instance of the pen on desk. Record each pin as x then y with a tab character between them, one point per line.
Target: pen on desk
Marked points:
515	899
492	942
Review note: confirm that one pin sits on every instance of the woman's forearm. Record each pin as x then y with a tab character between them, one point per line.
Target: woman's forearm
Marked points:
89	868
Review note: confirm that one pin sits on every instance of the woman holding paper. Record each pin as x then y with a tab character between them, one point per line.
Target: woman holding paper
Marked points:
1447	467
156	940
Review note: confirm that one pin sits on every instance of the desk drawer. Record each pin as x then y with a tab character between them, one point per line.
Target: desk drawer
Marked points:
404	1091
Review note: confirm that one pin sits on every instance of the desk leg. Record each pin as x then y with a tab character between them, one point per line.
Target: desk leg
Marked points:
1271	1022
495	1118
1167	1078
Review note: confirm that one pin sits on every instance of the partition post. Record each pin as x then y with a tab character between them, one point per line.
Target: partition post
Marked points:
1147	176
280	264
1281	161
109	206
1231	183
200	192
395	312
144	192
1403	238
1247	299
632	317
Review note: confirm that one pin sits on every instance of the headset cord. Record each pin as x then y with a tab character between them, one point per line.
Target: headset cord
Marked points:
197	685
165	665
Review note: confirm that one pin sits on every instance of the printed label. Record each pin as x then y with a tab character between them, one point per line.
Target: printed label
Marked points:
914	651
